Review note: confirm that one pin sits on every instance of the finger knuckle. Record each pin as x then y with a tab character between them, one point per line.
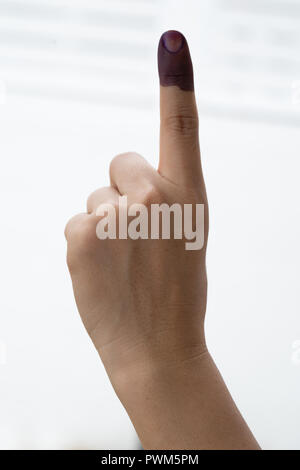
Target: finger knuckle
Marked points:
183	124
82	237
91	201
150	194
69	227
121	158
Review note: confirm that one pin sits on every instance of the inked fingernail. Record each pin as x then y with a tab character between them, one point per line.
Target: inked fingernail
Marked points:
174	61
173	41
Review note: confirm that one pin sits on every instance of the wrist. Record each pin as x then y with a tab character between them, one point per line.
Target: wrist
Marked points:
161	399
148	365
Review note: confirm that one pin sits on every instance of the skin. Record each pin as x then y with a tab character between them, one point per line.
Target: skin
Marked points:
143	302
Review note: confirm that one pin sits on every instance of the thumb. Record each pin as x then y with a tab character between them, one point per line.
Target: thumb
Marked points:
179	140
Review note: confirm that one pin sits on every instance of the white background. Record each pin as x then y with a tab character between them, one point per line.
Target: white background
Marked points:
66	109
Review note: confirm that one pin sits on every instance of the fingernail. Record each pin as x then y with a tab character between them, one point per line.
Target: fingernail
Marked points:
173	41
174	61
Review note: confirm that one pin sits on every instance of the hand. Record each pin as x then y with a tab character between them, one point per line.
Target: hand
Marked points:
143	301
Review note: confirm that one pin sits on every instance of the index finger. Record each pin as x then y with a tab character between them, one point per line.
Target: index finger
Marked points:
179	139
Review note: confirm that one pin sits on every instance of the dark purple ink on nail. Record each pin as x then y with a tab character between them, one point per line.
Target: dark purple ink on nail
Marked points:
174	61
173	41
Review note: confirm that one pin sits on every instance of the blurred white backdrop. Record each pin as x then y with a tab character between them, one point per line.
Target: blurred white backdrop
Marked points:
78	84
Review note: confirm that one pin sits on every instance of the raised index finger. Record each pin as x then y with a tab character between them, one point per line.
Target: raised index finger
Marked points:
179	140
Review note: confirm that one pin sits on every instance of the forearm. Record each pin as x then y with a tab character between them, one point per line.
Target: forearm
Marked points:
184	405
